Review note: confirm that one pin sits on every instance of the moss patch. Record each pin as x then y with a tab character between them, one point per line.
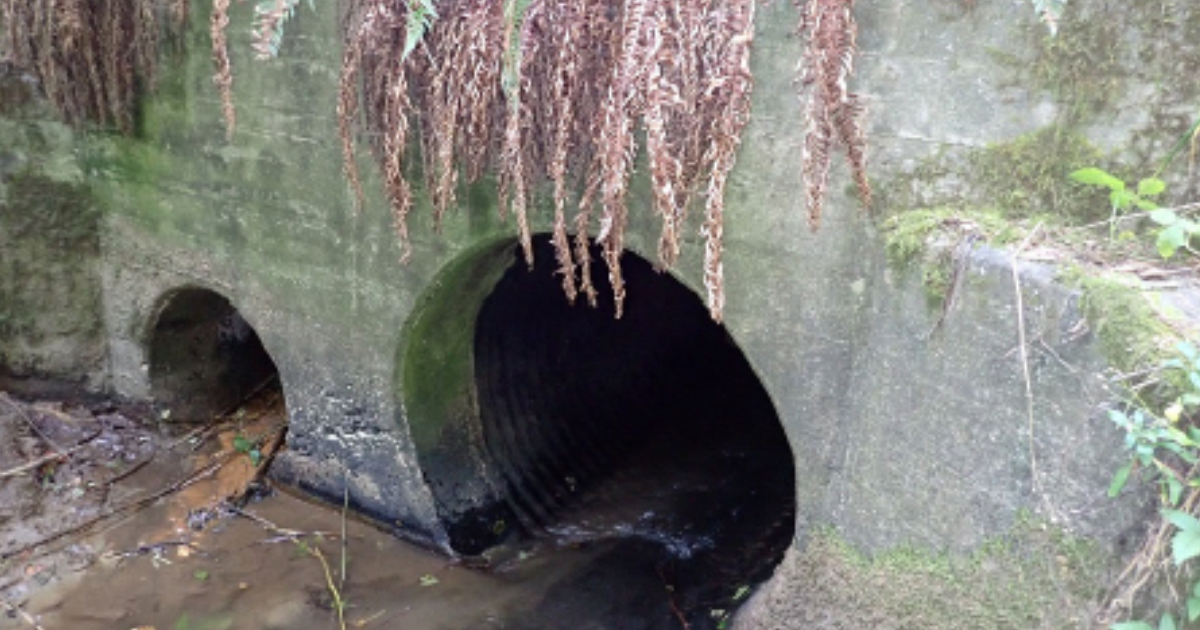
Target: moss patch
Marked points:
1035	576
1026	177
50	306
926	239
1132	334
437	356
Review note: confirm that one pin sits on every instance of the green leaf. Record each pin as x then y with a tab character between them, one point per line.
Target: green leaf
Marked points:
1145	204
1151	186
428	580
1193	606
1167	622
1121	198
1186	543
255	457
1182	520
1170	240
1174	490
1164	216
200	575
1097	177
1120	479
242	444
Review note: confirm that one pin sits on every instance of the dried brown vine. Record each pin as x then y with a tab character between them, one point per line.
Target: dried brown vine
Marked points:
92	58
551	94
833	113
548	94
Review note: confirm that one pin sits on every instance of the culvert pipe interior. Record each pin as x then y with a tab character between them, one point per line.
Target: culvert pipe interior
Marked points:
205	358
652	429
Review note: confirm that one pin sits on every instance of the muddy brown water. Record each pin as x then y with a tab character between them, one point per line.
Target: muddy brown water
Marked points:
187	561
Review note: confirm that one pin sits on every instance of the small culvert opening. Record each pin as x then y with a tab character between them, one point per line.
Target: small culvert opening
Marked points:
205	359
651	432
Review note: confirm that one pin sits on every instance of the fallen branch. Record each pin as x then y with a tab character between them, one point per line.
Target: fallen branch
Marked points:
57	455
283	533
31	465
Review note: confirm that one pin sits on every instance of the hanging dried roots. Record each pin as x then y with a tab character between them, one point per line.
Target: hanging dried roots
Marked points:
833	114
554	92
223	75
542	92
92	57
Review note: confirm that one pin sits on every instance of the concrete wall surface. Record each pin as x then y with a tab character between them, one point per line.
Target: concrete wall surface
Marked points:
910	424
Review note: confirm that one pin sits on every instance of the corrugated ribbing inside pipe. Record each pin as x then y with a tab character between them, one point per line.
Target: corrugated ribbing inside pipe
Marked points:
653	426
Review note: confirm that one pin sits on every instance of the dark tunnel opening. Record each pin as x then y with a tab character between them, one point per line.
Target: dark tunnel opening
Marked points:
206	359
652	430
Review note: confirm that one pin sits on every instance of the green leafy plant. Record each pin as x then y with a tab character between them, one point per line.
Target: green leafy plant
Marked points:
270	16
1166	446
1176	231
1121	196
421	15
245	445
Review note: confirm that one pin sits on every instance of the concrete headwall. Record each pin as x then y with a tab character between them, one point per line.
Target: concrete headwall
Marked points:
909	424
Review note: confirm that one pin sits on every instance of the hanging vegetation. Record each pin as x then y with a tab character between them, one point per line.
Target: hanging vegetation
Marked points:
834	113
550	95
555	92
92	57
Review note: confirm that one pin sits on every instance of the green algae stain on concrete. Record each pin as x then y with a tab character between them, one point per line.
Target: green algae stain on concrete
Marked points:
50	305
1034	576
437	378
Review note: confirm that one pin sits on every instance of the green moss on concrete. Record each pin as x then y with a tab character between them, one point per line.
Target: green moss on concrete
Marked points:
50	306
1035	576
437	378
1024	179
1133	336
926	239
1030	176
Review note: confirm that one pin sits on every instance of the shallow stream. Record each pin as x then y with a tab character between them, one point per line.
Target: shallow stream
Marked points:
625	558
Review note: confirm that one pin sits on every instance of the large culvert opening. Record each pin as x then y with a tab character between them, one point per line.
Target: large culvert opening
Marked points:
652	431
206	360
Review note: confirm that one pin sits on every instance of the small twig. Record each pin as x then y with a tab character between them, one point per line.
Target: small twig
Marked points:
28	466
22	614
366	620
960	259
671	601
129	472
283	532
142	550
345	508
1016	276
1184	209
338	604
57	455
29	421
1145	565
